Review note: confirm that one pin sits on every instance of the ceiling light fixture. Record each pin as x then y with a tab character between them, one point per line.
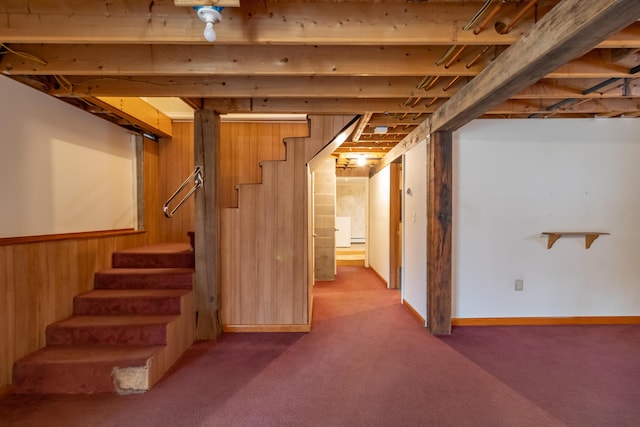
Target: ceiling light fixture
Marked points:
209	15
362	160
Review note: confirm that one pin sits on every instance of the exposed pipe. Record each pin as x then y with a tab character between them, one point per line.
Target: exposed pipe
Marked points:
560	104
445	55
425	81
477	15
430	103
432	83
489	17
607	82
454	57
518	16
478	56
451	83
600	85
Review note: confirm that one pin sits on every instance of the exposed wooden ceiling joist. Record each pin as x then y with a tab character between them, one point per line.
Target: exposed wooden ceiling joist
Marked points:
354	106
567	31
256	22
318	87
316	56
222	61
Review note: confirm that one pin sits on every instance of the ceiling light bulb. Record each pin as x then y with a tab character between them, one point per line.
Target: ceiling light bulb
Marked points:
361	161
210	15
209	32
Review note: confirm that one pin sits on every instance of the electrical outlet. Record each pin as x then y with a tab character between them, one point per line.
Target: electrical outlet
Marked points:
519	285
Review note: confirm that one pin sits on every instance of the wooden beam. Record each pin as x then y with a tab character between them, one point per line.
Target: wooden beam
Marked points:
320	23
244	86
355	106
581	106
311	86
221	3
362	124
207	226
139	113
226	60
439	228
362	144
569	30
394	225
329	23
419	134
215	62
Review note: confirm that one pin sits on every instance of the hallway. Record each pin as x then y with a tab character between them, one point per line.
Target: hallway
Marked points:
367	362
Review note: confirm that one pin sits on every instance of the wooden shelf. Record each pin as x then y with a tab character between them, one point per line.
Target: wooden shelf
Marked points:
589	236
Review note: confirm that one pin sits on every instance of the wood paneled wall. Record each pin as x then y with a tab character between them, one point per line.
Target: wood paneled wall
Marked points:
39	280
175	165
264	247
265	283
244	146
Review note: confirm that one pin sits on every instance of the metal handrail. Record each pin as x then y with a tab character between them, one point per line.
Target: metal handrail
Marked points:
196	175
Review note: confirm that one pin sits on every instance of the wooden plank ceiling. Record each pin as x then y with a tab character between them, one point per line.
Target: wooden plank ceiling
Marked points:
393	62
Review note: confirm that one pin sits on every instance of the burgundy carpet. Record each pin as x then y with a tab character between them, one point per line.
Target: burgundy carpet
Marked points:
124	322
368	362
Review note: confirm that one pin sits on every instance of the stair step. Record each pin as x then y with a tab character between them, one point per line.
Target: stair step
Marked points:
110	330
85	369
144	278
129	301
161	255
126	333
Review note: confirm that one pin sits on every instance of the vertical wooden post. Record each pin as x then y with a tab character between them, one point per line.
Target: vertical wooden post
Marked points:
139	141
394	221
439	212
207	226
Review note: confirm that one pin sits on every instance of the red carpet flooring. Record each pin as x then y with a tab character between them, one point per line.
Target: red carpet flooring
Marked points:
368	362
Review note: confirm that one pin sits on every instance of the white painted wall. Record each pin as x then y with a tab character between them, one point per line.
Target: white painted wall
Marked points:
414	221
514	179
379	186
61	170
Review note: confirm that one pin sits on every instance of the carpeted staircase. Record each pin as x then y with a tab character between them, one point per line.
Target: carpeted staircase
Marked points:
125	334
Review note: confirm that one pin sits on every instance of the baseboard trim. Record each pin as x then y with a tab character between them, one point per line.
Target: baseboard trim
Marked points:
535	321
7	391
266	328
310	314
413	311
352	262
379	276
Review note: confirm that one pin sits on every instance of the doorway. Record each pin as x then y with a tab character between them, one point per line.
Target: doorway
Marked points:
351	220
